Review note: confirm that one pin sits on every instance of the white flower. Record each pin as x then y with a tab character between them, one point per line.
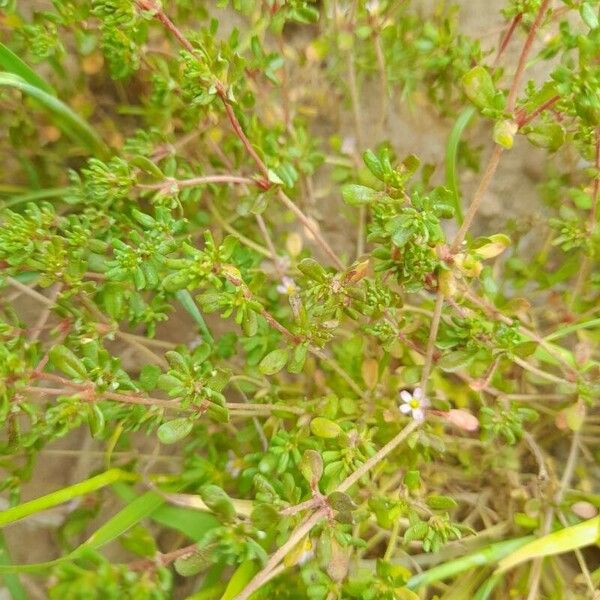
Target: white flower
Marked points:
372	6
287	286
234	465
414	404
193	344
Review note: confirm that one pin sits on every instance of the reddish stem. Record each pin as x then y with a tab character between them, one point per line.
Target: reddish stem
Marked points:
507	37
523	119
239	131
514	88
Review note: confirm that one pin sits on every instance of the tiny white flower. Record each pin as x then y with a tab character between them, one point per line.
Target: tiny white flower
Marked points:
234	465
287	286
414	404
372	6
193	344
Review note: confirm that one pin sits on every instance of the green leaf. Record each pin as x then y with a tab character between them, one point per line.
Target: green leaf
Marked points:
274	361
65	118
441	502
241	576
356	195
194	562
96	420
298	359
312	269
417	531
525	349
175	430
374	164
218	501
10	62
456	360
149	377
311	466
492	246
589	15
546	135
479	87
66	361
401	236
341	501
324	428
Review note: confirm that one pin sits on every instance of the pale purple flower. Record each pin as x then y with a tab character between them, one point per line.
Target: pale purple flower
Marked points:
287	286
348	145
414	404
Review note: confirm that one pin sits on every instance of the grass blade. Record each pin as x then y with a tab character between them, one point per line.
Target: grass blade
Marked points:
242	575
485	556
33	196
186	300
69	121
565	540
192	523
64	495
563	331
10	62
451	158
133	513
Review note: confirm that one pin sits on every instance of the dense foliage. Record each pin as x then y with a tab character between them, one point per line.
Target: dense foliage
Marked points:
287	365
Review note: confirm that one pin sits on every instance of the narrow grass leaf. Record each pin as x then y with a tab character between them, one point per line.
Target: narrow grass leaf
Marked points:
64	117
452	158
186	300
34	196
191	523
10	62
126	518
565	540
488	555
242	575
64	495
